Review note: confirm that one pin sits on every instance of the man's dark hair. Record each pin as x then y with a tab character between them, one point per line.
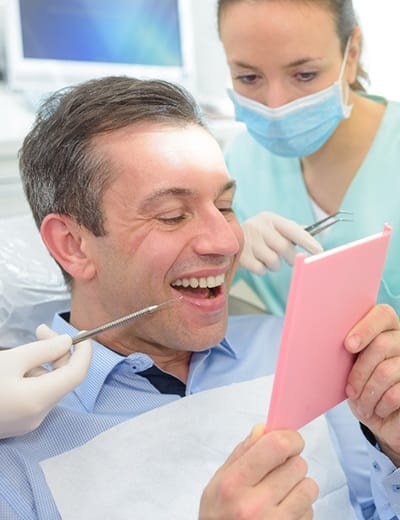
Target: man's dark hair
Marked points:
60	170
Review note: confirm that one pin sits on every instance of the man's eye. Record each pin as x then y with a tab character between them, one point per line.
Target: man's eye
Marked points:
228	210
172	220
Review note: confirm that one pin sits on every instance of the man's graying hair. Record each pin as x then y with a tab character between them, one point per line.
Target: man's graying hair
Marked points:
60	169
342	12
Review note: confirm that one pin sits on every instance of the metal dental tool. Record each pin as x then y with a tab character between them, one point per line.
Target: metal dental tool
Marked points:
320	225
121	321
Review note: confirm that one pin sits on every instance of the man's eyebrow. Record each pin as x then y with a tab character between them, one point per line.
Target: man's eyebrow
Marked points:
230	185
165	193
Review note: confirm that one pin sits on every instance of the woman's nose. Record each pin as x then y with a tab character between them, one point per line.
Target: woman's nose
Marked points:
274	95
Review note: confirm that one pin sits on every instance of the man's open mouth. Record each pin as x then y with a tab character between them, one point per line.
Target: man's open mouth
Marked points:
204	287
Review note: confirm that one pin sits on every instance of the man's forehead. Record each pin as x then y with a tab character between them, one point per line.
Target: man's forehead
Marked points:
145	128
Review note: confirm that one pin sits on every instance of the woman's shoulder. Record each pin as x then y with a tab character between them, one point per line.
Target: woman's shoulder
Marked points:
392	109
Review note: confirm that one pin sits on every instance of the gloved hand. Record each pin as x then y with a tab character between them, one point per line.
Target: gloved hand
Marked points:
29	391
269	238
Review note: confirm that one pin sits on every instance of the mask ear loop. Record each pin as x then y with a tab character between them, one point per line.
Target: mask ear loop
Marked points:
346	107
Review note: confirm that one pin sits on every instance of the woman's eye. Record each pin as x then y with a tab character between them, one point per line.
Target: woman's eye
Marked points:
306	76
247	79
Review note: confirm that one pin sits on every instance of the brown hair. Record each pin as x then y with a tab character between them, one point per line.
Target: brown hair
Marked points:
344	16
60	170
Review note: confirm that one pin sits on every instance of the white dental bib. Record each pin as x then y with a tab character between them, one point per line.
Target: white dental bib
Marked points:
157	464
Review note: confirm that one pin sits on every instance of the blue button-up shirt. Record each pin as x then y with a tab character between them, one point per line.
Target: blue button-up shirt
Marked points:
115	391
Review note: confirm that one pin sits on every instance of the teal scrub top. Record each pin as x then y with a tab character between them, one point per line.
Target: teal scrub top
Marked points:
267	182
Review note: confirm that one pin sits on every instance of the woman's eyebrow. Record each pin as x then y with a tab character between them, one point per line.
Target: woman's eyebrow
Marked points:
243	65
301	61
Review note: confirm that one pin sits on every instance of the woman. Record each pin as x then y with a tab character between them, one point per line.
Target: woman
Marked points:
316	142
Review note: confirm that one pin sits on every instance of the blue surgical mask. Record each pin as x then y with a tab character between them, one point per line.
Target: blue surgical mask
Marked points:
298	128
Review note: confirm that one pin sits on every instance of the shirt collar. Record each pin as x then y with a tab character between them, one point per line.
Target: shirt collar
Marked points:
104	360
226	346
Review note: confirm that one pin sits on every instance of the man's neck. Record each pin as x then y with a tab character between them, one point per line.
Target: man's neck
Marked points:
124	341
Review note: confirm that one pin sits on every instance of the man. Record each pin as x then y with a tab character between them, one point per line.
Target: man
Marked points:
134	202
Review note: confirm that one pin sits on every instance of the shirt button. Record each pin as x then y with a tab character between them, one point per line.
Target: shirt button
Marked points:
376	466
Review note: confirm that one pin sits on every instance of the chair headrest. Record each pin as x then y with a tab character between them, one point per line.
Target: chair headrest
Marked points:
32	287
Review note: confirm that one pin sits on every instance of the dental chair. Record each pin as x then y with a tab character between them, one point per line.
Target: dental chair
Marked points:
32	287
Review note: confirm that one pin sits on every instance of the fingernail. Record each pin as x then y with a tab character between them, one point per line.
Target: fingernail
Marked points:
353	343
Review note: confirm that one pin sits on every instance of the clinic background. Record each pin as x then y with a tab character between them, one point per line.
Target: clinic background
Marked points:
209	82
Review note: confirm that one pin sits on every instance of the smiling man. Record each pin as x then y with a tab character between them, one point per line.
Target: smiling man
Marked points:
170	230
134	202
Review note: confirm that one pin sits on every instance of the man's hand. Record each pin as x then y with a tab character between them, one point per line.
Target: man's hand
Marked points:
264	478
374	382
269	238
27	390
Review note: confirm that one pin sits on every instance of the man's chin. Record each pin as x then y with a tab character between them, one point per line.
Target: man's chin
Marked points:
207	337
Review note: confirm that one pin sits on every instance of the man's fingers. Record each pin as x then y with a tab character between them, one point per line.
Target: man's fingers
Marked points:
371	368
380	318
256	433
277	486
265	479
389	402
269	452
300	500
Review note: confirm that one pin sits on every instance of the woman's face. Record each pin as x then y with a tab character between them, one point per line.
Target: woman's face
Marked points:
278	51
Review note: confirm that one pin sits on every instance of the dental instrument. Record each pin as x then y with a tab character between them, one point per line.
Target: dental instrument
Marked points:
320	225
85	334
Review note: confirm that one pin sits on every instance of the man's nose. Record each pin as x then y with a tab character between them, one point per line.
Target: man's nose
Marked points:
218	236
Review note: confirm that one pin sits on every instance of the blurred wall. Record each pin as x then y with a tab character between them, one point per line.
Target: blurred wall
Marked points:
379	22
212	72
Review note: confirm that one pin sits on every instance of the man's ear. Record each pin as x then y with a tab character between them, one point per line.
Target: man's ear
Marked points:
66	241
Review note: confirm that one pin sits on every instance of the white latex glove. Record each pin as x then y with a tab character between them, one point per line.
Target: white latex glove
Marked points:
29	391
269	238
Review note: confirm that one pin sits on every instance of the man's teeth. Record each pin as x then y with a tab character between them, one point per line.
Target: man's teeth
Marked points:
203	283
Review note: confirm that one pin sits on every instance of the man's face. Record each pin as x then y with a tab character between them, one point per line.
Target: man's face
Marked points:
170	232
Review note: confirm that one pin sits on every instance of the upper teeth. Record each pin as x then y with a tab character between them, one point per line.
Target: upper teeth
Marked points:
209	282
